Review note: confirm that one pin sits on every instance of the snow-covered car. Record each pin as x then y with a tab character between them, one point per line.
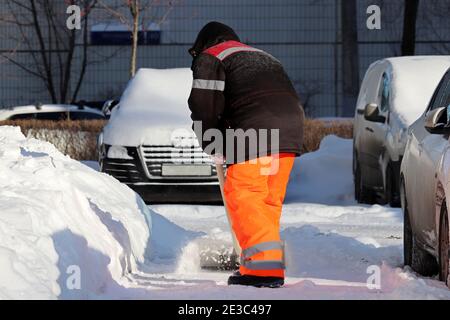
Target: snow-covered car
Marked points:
425	187
148	142
394	93
51	112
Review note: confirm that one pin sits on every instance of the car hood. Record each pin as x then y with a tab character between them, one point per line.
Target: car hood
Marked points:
144	134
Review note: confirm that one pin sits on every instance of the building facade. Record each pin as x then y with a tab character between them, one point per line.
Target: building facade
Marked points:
304	35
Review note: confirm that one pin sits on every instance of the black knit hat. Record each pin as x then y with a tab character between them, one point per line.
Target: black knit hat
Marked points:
211	34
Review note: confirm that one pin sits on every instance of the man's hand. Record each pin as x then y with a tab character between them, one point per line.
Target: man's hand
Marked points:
218	159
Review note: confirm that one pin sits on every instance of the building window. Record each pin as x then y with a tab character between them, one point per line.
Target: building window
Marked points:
107	34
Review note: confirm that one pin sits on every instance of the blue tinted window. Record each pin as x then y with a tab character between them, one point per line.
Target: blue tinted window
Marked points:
385	92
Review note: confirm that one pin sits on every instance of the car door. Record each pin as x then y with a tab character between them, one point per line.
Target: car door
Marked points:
375	132
430	149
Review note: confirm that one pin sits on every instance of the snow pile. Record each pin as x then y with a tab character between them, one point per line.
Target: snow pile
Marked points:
64	226
414	80
152	108
324	176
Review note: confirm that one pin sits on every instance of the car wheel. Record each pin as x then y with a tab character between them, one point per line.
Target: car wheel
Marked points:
414	256
362	193
444	247
391	195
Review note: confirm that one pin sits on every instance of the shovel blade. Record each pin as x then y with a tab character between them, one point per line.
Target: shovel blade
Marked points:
217	256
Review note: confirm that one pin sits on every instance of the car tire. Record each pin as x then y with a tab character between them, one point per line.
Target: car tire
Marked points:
391	195
444	247
417	258
362	194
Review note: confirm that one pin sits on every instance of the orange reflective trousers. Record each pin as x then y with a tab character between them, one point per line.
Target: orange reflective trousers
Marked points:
254	193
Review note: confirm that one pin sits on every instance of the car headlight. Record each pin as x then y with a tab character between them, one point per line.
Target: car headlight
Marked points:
100	140
118	152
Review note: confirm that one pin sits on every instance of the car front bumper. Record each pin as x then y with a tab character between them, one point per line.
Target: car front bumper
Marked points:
155	188
200	193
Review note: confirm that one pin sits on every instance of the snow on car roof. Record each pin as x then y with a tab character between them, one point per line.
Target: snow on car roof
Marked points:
159	91
414	80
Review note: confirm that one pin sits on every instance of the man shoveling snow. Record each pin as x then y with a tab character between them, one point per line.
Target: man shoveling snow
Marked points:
245	94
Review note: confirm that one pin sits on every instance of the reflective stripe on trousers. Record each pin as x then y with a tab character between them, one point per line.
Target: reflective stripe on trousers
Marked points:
247	254
255	201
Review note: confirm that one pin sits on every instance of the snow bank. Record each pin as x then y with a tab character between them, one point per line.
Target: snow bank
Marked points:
324	176
414	80
152	107
60	219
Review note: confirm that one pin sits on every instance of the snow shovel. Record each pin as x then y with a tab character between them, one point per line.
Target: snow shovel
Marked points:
221	258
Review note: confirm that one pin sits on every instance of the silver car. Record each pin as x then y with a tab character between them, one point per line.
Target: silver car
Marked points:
395	92
425	187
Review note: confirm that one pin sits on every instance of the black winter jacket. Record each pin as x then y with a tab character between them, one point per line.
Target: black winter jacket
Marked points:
235	87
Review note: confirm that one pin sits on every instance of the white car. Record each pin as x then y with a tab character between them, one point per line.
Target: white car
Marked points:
425	188
148	142
51	112
394	94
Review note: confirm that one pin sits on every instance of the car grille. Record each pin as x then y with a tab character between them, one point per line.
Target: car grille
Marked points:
125	171
155	156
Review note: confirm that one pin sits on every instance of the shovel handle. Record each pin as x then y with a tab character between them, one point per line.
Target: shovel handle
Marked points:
221	176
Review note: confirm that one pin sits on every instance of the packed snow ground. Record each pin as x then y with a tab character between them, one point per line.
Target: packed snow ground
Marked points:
333	244
56	213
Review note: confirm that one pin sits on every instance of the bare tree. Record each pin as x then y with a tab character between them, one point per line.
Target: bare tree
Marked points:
409	27
48	48
133	14
350	56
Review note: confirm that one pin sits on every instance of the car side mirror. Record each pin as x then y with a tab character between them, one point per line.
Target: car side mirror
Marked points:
436	122
372	113
108	106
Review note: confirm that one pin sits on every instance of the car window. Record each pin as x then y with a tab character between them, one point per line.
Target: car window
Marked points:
442	97
80	115
23	116
54	116
385	92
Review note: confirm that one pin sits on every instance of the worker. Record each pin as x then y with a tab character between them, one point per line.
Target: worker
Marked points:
241	88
